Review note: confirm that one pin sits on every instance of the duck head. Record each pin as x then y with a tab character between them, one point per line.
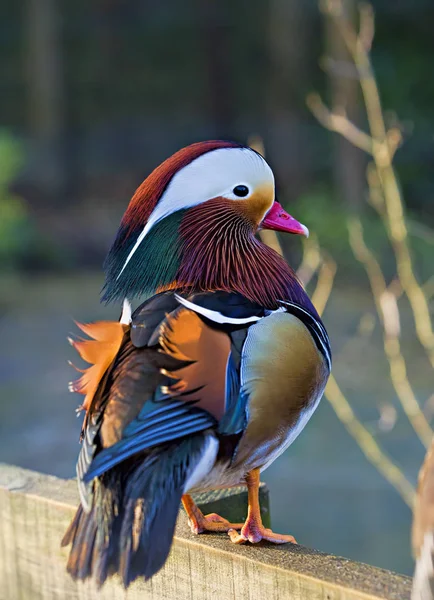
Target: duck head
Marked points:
191	226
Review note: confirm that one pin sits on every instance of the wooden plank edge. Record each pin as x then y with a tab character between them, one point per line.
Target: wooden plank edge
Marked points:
307	572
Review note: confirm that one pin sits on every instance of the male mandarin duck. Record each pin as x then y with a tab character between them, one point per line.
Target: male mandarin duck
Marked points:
209	380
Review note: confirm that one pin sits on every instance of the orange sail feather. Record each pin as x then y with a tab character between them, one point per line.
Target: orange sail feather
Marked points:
100	351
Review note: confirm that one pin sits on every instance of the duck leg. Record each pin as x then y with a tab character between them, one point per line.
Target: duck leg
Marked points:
253	530
199	522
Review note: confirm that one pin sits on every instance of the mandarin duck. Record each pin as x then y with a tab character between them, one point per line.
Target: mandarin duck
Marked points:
209	380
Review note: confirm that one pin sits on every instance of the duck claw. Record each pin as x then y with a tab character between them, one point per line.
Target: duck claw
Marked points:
212	522
199	522
254	533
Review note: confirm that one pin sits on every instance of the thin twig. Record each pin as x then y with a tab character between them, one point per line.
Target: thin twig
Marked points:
339	123
428	287
356	429
311	260
356	45
367	320
366	26
384	145
367	443
387	309
324	284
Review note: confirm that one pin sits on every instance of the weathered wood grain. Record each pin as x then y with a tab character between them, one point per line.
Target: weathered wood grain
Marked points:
35	509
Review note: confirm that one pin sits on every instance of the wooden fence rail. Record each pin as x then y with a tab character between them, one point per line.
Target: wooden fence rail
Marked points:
35	510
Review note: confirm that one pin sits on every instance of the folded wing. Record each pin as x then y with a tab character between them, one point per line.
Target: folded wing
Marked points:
169	374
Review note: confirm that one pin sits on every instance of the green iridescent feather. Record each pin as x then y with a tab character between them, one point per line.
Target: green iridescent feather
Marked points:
154	263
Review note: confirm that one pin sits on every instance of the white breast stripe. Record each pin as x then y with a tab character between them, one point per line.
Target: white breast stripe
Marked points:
306	312
214	315
326	354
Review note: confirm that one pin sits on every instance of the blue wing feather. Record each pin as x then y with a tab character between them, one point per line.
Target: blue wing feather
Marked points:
235	418
163	418
175	420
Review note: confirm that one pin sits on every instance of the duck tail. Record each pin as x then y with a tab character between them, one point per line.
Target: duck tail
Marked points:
131	522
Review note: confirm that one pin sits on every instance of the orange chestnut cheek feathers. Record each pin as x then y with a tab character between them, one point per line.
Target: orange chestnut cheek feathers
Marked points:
255	207
261	201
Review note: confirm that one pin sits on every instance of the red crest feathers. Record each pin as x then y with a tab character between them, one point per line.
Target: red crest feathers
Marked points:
150	191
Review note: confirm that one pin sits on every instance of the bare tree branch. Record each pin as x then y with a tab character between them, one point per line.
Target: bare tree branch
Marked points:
364	439
339	123
367	443
388	312
366	26
311	260
324	284
382	144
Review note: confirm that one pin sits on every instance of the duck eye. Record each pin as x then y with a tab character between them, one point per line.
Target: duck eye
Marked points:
241	190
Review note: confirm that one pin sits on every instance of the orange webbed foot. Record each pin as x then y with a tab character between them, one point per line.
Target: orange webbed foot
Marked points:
254	533
253	530
199	523
213	522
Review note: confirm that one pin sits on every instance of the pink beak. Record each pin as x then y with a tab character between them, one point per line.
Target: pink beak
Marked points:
279	220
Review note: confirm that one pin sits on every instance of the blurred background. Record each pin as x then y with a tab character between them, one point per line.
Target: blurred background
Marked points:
96	93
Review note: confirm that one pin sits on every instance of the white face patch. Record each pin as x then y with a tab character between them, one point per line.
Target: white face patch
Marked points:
213	174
